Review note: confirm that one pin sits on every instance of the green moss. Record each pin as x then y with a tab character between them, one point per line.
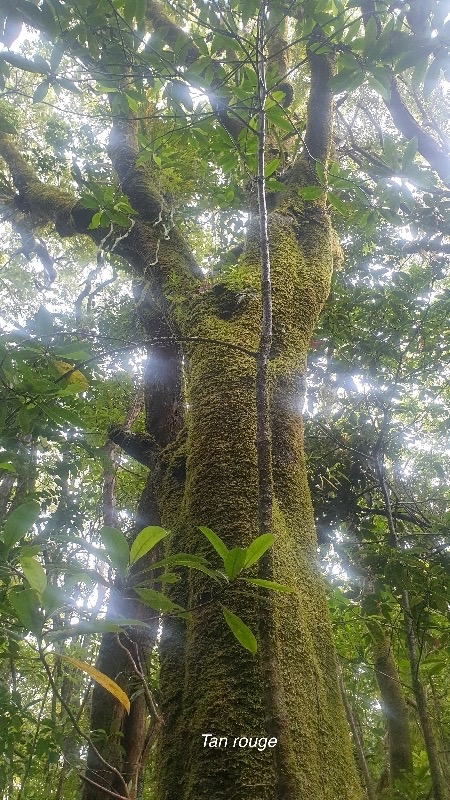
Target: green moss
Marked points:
210	683
394	704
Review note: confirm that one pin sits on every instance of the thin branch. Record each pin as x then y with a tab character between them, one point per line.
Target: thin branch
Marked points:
109	792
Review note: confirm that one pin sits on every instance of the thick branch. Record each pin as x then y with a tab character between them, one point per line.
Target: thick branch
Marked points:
44	203
319	123
169	31
154	239
136	181
427	246
139	446
187	54
409	127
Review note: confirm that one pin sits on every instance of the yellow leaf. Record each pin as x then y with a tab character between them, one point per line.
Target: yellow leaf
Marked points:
76	377
102	679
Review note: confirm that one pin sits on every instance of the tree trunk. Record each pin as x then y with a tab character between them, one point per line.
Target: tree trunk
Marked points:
209	683
357	743
440	787
394	706
122	738
206	474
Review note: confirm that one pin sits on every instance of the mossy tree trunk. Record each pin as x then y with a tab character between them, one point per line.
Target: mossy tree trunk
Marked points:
209	683
394	705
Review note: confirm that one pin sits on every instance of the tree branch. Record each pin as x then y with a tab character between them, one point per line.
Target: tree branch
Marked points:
319	124
139	446
44	203
409	127
187	54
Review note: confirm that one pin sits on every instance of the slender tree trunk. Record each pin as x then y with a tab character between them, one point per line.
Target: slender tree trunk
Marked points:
440	787
394	706
357	743
444	738
125	744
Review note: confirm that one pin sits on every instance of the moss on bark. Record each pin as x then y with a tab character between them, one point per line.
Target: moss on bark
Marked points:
210	684
394	705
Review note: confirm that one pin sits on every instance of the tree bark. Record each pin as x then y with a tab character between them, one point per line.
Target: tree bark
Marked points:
209	683
440	787
394	706
357	743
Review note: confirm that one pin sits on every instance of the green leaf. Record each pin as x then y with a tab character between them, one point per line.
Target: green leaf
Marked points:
272	185
410	152
20	521
432	77
56	56
168	577
6	466
370	35
216	542
97	626
347	80
311	192
380	87
234	562
26	605
95	221
53	598
277	116
7	127
440	471
158	601
141	8
70	86
189	561
240	630
257	548
180	94
390	151
277	587
62	416
337	203
34	573
271	167
117	548
40	93
220	42
145	540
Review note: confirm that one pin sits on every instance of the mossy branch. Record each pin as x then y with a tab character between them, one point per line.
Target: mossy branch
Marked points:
319	124
139	446
187	54
43	202
172	34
